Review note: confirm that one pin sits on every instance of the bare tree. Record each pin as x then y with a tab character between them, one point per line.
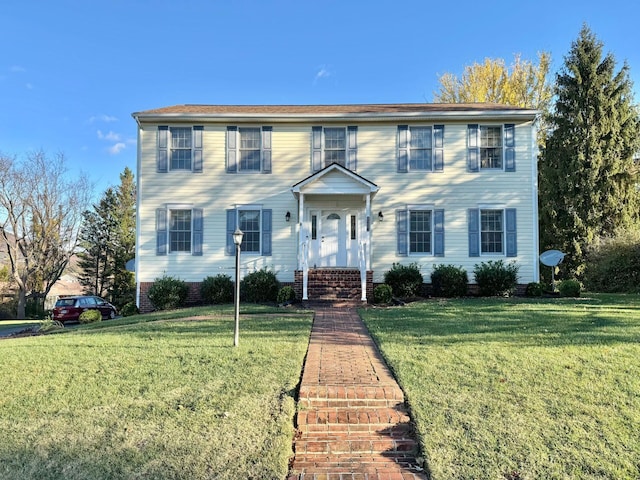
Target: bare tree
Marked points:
41	209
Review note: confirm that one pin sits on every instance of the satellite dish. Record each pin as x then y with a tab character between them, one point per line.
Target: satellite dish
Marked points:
130	266
552	258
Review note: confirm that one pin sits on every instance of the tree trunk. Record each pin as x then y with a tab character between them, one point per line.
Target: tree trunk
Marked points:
22	303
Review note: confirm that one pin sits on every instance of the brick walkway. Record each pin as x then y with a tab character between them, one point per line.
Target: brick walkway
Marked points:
352	420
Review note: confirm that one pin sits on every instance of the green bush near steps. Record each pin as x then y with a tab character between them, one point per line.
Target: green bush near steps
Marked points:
405	280
382	294
449	281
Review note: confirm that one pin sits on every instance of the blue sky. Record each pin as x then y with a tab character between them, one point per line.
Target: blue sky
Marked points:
73	71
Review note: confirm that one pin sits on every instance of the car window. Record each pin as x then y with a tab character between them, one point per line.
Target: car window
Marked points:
90	301
65	302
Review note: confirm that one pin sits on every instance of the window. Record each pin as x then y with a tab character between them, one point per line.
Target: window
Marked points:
491	231
420	148
179	148
420	231
180	156
179	230
334	145
490	147
249	223
255	223
249	149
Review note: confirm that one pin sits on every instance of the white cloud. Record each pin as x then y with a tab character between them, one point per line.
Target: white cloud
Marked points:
29	86
110	137
102	118
322	72
17	69
117	148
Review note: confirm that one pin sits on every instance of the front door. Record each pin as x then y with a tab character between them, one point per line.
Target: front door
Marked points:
334	238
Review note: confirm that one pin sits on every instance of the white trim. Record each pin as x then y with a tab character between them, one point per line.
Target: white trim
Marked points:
534	200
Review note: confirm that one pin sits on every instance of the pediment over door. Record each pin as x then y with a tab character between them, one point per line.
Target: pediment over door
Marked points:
335	180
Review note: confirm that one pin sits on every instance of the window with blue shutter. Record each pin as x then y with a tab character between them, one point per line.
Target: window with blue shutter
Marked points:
492	231
249	149
334	145
179	230
420	231
256	225
491	147
179	148
420	148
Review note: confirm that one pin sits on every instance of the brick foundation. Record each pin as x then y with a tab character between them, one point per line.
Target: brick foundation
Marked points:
193	298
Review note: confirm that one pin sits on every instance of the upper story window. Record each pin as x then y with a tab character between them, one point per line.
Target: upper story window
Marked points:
334	145
179	148
420	148
249	149
491	147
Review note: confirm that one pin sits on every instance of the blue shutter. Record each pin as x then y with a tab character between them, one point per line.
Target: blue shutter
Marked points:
316	148
197	149
266	232
403	148
511	232
162	163
196	247
231	227
473	148
161	231
473	221
266	149
352	148
232	150
510	147
438	148
438	233
401	231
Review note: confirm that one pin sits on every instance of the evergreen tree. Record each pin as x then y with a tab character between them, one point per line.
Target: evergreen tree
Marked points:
588	180
108	242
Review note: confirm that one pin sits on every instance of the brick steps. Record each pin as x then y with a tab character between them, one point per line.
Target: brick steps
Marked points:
352	421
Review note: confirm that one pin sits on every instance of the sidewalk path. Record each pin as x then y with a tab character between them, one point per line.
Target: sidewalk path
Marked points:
352	420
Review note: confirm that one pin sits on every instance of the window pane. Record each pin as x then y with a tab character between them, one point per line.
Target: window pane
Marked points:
420	160
180	231
421	137
491	231
180	137
420	231
249	149
491	147
334	156
181	159
249	223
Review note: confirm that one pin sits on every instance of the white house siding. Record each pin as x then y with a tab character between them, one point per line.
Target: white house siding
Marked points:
455	190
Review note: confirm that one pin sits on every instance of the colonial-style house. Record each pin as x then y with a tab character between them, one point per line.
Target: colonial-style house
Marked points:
331	196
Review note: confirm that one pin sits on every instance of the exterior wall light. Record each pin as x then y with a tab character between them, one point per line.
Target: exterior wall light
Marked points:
380	215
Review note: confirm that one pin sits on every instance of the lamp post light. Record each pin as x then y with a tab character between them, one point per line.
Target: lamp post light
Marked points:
237	240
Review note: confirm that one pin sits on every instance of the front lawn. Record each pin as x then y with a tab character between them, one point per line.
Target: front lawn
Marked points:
520	389
153	397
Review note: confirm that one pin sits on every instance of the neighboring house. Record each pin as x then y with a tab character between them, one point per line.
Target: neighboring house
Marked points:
325	191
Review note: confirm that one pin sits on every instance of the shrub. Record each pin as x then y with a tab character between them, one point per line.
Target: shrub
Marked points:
569	288
495	278
405	280
129	309
382	294
49	325
534	289
614	265
90	316
449	281
260	286
286	295
168	292
218	289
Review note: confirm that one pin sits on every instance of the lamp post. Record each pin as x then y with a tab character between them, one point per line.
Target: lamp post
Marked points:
237	240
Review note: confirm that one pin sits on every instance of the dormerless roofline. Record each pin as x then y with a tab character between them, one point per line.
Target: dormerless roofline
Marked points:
334	113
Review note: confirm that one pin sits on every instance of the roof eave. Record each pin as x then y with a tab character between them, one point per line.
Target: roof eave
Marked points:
337	117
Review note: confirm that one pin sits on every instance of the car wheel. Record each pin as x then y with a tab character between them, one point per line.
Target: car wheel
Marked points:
112	314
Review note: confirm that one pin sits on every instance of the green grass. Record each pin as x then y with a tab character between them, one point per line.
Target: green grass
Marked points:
153	396
10	325
517	388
